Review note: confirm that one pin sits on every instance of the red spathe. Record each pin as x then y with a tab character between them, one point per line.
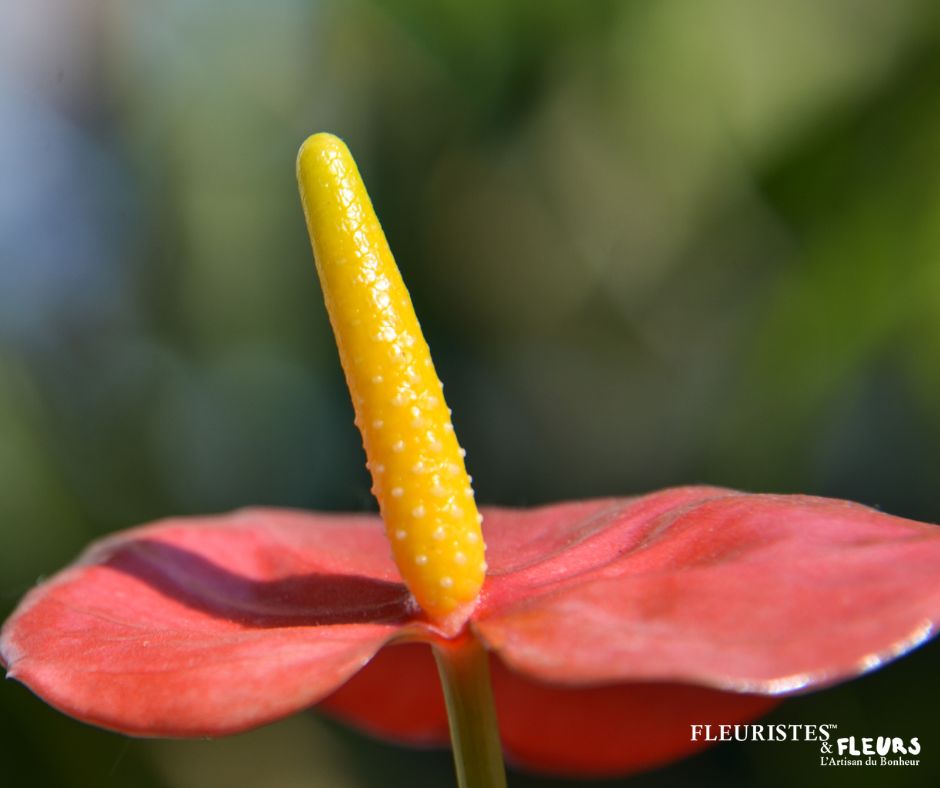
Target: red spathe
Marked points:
600	616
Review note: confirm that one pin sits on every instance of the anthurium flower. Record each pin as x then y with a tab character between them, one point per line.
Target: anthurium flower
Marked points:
604	627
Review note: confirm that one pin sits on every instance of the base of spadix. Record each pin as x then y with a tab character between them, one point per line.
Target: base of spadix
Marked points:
453	625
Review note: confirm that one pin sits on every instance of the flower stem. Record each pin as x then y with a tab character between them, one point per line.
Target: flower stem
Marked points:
474	732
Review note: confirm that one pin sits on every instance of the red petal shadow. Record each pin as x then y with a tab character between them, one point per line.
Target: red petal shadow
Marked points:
609	731
396	697
588	732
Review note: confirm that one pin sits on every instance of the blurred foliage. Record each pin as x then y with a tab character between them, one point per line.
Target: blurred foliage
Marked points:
651	242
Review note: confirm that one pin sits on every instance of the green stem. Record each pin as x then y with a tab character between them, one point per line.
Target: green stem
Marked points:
474	732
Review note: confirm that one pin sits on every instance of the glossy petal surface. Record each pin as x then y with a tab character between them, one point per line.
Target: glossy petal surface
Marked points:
756	593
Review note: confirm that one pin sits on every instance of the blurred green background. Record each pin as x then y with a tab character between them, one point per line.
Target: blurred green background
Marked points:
650	241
